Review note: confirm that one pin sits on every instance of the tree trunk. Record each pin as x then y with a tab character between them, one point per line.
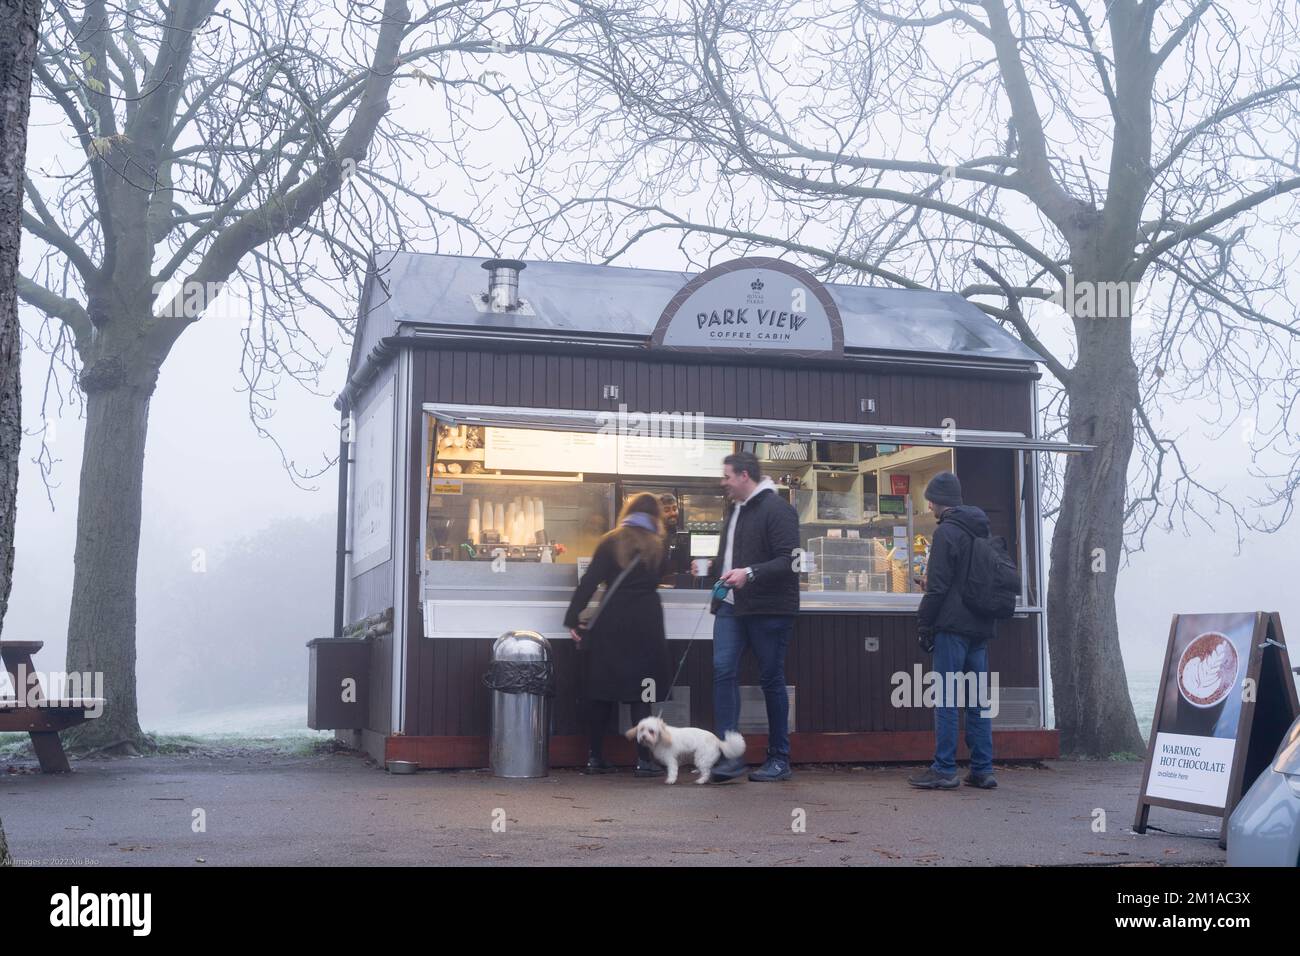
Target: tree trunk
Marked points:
18	28
1089	687
101	624
4	847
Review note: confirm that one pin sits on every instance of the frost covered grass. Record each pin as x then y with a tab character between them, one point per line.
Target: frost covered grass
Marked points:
18	746
278	729
294	745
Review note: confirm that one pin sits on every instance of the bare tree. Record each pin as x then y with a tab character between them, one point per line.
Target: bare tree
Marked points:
248	147
19	23
1062	149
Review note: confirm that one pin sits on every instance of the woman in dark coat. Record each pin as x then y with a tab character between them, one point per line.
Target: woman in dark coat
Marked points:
627	645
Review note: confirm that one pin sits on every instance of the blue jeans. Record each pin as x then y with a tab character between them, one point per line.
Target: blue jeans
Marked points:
768	636
957	655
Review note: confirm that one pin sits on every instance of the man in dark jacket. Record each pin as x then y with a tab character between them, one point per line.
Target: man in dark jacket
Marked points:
755	557
958	638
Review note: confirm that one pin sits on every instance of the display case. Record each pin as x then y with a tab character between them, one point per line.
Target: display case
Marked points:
865	563
482	519
846	564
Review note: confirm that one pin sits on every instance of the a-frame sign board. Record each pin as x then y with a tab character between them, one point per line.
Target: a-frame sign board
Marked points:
1226	699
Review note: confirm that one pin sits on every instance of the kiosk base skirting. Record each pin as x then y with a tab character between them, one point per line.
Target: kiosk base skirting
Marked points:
445	753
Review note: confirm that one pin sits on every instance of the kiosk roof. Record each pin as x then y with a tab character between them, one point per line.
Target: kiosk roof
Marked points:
422	290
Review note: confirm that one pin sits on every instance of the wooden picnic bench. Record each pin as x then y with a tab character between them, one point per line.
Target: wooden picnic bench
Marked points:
44	721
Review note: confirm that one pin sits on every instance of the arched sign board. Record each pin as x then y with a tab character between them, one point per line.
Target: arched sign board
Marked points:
757	305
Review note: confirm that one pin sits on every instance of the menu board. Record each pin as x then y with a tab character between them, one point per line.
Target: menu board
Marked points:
535	449
678	457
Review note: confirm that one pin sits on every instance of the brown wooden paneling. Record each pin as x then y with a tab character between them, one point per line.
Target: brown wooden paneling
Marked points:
370	592
988	481
1031	534
799	393
841	686
381	684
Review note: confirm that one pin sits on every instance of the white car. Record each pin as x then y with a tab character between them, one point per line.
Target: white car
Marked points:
1264	830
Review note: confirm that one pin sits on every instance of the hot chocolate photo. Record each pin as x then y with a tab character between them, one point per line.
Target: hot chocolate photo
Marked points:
1207	669
1201	695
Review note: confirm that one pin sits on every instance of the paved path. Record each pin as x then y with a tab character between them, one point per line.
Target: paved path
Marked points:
330	809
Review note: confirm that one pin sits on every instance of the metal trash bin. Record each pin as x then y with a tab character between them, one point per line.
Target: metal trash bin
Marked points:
522	677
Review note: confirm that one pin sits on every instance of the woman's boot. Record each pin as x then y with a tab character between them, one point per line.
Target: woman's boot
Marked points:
597	715
596	764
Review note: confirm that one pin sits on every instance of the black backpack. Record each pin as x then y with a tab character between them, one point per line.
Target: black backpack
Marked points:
992	583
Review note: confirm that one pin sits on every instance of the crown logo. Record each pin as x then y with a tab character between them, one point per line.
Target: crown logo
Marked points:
757	285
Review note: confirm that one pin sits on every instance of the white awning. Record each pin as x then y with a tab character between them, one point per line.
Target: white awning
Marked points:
737	429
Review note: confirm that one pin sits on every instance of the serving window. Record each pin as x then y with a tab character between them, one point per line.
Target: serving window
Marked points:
535	502
863	522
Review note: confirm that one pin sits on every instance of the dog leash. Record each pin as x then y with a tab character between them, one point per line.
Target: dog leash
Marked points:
682	663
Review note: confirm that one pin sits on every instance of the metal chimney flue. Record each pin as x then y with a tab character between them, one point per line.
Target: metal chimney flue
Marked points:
503	284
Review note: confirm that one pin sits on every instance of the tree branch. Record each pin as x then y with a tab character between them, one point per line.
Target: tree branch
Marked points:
52	304
1026	333
1194	229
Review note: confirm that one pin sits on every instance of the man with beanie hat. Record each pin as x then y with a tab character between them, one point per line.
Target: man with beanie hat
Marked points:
958	638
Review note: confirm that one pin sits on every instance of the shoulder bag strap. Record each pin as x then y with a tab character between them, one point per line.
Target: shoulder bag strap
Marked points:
609	592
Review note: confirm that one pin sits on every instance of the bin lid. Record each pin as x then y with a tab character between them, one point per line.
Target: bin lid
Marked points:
521	646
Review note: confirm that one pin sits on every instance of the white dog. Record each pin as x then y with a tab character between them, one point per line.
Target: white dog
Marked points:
673	745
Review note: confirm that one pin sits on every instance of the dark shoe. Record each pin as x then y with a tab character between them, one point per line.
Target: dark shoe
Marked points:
598	765
934	781
648	768
985	781
725	770
772	769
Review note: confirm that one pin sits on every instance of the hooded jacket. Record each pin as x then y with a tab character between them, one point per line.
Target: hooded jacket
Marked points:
942	608
767	532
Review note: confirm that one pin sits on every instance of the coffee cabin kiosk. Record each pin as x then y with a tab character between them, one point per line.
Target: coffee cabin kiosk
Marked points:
500	412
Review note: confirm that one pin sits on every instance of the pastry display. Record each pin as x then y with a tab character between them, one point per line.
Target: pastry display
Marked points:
483	526
459	441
